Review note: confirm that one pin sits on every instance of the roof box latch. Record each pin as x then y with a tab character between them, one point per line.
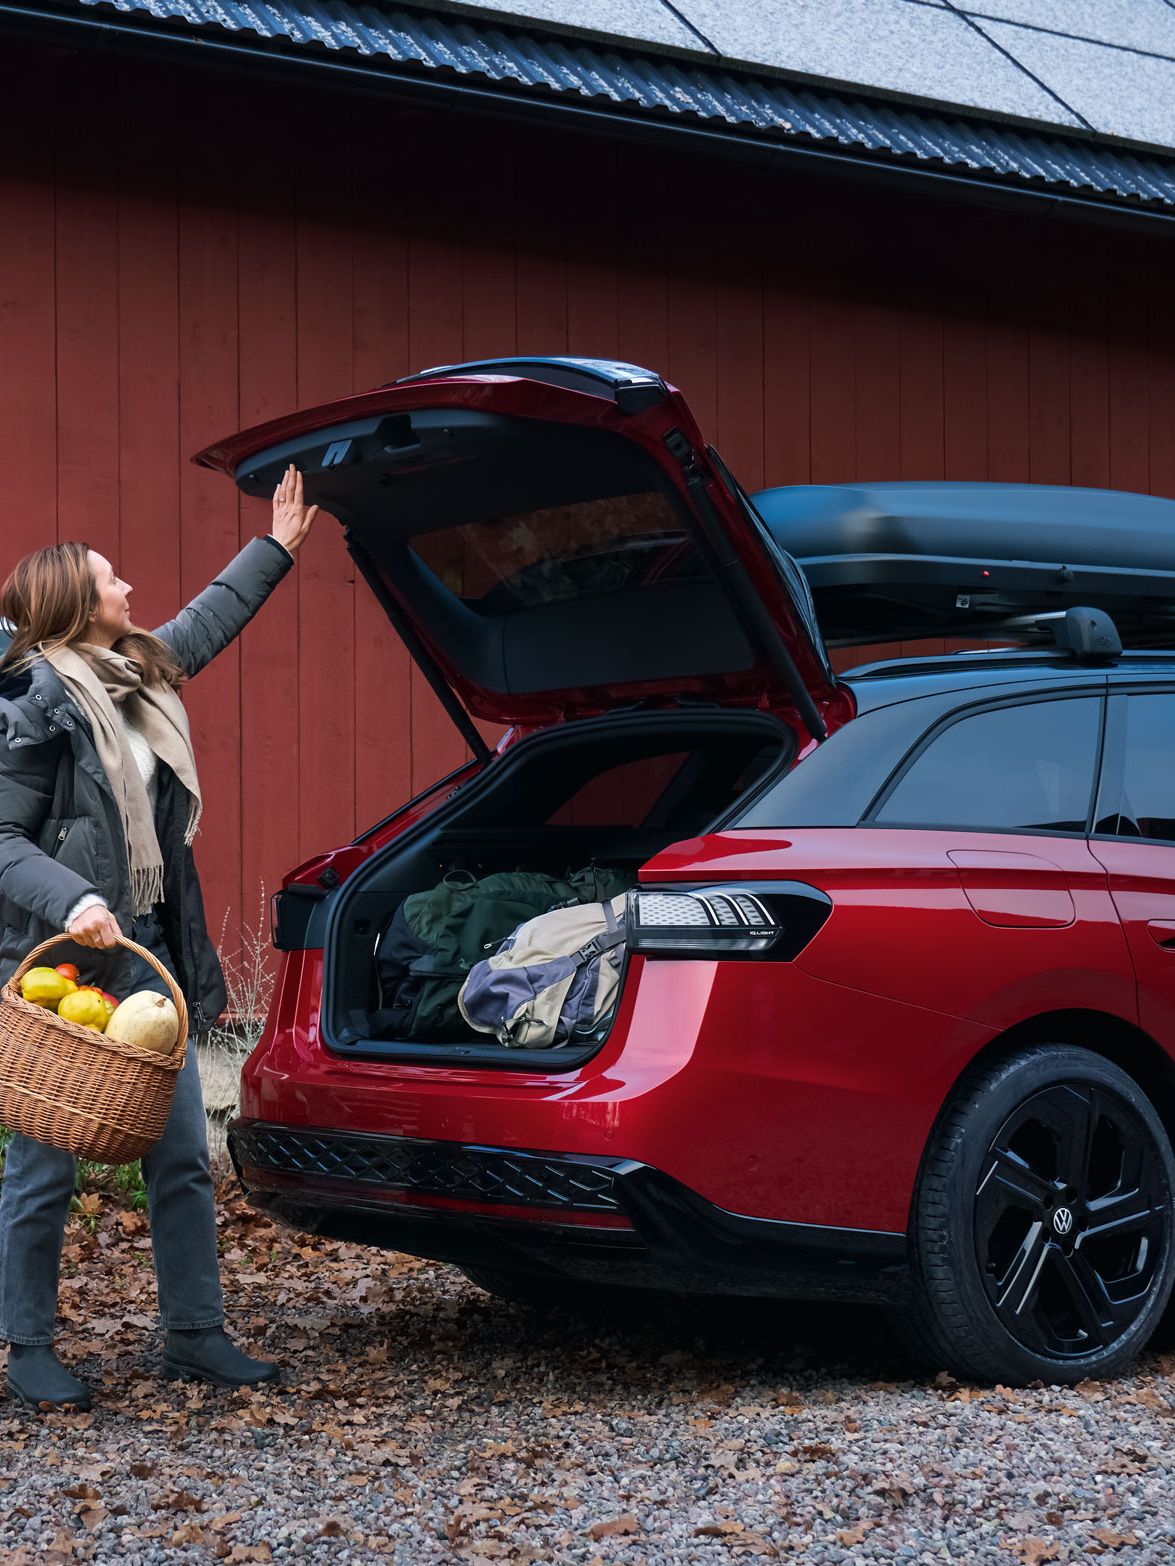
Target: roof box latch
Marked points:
1088	635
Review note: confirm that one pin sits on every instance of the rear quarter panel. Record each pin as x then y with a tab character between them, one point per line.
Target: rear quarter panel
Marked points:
902	928
837	1065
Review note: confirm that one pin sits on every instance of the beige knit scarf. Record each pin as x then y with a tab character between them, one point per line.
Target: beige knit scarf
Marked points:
100	680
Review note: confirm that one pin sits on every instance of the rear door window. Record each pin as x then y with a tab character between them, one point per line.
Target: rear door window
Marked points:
1146	807
1023	768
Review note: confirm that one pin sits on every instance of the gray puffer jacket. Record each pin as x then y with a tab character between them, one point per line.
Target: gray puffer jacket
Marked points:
61	835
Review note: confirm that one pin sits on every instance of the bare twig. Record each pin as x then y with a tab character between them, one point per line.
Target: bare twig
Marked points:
248	978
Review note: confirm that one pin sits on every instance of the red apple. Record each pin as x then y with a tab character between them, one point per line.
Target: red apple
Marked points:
67	970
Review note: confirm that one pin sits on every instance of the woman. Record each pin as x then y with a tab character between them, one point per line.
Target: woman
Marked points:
99	803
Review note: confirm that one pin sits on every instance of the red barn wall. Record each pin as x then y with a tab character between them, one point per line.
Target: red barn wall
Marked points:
183	254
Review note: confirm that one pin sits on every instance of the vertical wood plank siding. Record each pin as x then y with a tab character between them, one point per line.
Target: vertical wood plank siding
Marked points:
168	274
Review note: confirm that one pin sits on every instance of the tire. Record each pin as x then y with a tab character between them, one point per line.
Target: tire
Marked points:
1042	1226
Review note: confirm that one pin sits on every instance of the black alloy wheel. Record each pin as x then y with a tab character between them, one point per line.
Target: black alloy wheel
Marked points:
1042	1236
1070	1220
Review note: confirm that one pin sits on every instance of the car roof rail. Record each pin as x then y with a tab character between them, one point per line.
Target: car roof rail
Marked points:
1081	634
1087	635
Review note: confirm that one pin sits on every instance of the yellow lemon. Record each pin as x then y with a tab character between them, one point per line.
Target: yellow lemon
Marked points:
86	1007
45	986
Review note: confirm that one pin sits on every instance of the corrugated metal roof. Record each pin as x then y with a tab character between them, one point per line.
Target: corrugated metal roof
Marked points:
660	86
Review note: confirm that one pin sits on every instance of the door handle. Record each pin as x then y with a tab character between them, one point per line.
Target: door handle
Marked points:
1162	932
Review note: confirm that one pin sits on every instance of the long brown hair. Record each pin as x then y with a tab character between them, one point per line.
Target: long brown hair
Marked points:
48	600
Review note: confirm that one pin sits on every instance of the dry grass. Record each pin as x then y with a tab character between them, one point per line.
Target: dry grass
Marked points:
249	971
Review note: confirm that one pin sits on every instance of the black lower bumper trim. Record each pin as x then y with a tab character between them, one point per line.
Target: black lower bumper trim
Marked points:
643	1230
493	1175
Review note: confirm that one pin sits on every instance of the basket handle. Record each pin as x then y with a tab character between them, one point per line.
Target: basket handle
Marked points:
181	1006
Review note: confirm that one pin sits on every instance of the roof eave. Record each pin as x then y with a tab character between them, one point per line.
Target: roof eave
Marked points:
472	91
802	80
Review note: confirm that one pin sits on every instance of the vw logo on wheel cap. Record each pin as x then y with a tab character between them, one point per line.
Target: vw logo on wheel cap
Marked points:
1062	1220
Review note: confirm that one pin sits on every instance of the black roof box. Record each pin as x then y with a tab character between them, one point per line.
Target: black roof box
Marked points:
899	561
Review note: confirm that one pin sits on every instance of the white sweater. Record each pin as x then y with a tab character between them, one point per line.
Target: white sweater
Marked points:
145	758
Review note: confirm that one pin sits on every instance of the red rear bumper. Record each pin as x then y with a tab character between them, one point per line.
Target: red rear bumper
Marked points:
766	1092
600	1221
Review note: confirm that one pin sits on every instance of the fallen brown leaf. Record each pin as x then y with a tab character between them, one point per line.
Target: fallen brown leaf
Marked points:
1033	1551
1022	1522
897	1489
1113	1540
190	1533
184	1501
856	1534
815	1450
614	1527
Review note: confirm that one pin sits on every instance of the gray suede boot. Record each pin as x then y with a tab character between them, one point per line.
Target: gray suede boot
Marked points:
206	1354
37	1377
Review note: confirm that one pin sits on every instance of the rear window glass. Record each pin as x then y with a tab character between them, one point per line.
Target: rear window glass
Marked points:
1012	769
557	553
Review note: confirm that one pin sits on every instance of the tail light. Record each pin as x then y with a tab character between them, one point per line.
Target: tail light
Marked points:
754	921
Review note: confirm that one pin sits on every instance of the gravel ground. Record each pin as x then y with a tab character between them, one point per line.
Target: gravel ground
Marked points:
422	1421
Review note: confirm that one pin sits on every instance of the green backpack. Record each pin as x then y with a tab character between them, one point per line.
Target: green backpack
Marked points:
435	937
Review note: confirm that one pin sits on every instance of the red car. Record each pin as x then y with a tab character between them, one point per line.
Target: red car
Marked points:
897	1015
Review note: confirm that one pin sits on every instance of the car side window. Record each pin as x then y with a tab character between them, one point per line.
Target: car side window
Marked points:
1147	806
1027	768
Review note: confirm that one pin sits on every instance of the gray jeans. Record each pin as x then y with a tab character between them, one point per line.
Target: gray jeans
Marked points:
39	1181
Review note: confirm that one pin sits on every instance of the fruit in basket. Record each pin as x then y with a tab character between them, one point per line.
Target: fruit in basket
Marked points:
109	1002
146	1019
85	1007
46	987
67	970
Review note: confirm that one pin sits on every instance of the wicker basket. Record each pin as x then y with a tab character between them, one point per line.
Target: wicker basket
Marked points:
72	1086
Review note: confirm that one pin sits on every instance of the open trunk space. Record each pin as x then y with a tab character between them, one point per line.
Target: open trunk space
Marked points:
600	795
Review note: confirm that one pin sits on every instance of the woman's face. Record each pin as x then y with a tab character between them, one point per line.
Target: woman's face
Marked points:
112	618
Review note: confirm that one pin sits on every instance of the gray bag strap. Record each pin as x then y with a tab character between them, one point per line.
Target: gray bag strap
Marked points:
605	942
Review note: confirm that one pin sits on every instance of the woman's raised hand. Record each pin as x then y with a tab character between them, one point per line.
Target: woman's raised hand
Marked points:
292	517
96	927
